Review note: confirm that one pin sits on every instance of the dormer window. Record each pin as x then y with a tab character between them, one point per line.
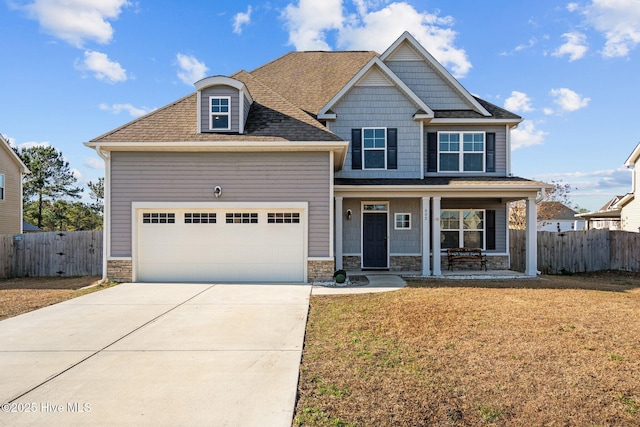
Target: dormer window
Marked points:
220	106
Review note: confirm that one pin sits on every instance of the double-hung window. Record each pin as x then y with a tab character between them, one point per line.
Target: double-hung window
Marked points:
374	148
1	186
461	151
463	228
219	113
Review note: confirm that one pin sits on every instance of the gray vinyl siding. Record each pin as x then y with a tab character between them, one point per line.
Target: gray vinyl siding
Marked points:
501	216
10	206
247	106
428	85
369	106
501	145
244	177
234	110
401	241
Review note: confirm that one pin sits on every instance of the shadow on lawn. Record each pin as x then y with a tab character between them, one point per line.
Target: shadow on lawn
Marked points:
72	283
610	281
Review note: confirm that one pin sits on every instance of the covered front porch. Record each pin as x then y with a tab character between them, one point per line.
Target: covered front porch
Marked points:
407	228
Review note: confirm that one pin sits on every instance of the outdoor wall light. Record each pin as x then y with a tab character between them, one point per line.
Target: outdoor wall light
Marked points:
349	214
217	191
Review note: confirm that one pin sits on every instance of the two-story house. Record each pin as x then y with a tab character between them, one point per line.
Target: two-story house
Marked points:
12	170
313	162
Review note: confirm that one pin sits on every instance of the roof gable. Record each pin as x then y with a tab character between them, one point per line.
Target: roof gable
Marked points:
633	158
407	48
375	67
13	156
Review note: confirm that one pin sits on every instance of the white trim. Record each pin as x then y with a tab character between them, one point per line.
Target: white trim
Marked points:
374	149
461	153
106	214
119	258
633	157
227	114
362	214
331	208
395	221
406	36
487	121
461	228
199	111
374	62
23	168
219	81
319	258
136	206
425	246
508	137
435	236
421	148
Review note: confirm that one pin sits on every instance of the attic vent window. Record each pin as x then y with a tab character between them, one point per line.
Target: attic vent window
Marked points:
219	113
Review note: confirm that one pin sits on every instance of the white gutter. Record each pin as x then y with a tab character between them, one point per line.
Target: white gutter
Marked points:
106	218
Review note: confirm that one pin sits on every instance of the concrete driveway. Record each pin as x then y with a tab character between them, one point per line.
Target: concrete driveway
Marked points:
157	354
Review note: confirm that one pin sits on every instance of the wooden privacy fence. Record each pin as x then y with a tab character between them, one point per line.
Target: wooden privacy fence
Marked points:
579	251
74	253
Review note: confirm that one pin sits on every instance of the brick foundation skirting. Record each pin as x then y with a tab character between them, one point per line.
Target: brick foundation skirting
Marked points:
119	270
500	262
320	271
406	263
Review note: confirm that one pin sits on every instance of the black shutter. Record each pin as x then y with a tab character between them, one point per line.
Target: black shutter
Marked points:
392	148
491	152
356	148
491	229
432	152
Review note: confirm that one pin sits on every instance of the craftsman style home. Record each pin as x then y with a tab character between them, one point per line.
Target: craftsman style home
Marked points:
11	171
314	162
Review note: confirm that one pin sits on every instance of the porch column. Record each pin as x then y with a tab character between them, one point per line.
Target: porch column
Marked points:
435	239
338	240
531	267
426	270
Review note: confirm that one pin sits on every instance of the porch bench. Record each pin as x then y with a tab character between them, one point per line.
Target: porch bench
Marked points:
464	255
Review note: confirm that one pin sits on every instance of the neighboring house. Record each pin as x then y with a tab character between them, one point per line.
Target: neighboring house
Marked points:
313	162
11	171
621	212
555	216
30	228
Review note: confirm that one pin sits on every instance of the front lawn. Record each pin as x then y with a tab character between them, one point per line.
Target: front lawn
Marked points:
562	350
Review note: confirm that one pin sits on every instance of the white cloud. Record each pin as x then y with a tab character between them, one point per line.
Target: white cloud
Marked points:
600	179
77	174
29	144
526	135
619	21
575	46
369	28
568	100
102	67
308	22
547	111
572	7
241	19
191	70
518	101
75	21
118	108
94	163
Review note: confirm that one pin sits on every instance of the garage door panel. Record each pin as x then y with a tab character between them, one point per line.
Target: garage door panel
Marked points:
221	251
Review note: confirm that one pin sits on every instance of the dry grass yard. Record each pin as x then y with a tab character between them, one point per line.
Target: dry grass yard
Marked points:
21	295
557	351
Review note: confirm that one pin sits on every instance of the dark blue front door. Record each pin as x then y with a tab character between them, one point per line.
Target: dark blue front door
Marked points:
374	240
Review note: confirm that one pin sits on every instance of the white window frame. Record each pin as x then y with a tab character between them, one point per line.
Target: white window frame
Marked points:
461	228
2	186
461	152
395	221
212	114
364	150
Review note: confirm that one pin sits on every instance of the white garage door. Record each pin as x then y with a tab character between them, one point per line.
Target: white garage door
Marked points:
223	245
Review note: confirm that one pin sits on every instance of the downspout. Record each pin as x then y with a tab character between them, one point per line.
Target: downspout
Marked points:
106	217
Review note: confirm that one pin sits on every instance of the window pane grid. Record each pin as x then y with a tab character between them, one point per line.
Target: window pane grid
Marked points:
374	144
199	218
283	218
242	218
403	221
462	228
467	156
158	218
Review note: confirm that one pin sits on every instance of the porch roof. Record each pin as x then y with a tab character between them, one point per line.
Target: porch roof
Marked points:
441	181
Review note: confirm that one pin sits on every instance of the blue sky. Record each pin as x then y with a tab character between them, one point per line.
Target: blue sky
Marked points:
74	69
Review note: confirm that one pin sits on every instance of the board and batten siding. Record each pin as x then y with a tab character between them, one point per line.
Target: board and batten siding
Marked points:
501	145
244	177
501	216
220	90
428	85
379	106
10	206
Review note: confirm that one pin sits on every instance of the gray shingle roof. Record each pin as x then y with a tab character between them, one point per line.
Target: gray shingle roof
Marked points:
288	92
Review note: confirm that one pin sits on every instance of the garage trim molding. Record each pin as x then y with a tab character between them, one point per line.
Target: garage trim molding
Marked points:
136	206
